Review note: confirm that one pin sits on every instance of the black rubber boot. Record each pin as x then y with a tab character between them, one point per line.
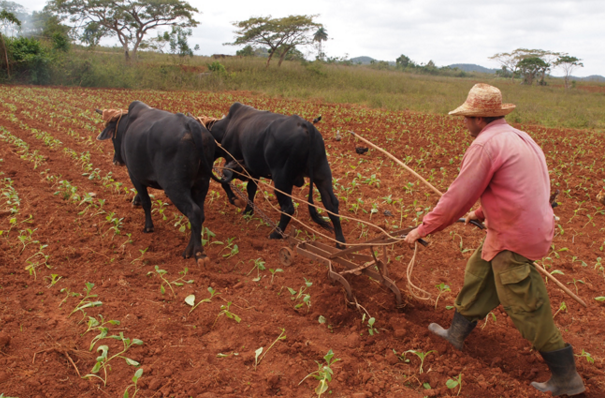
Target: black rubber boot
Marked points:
458	331
565	380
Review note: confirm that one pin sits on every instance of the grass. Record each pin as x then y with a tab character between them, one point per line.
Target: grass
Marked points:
551	105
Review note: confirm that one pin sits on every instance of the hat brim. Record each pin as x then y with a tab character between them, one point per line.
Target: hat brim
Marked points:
465	110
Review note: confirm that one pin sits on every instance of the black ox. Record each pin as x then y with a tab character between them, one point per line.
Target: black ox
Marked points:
165	151
283	148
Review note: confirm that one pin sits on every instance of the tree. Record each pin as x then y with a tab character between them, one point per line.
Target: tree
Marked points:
7	18
281	34
318	37
128	20
511	60
532	67
404	61
568	64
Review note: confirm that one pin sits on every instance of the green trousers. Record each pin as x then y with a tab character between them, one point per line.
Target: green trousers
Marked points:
513	281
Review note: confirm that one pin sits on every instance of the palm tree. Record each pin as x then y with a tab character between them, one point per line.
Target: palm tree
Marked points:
320	35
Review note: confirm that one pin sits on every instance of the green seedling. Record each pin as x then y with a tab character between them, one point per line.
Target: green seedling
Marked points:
177	282
160	207
453	383
25	237
209	235
562	307
586	355
486	319
225	311
259	265
258	358
135	379
68	294
86	302
94	324
140	258
103	359
371	321
306	298
221	355
273	272
443	288
36	260
600	298
574	281
53	279
461	248
234	249
420	355
324	373
191	299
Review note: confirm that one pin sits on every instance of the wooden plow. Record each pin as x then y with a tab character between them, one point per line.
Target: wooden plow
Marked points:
347	263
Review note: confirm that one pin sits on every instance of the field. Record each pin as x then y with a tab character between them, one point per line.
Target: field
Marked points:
83	290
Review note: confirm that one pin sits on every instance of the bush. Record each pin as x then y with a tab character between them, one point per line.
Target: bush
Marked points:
216	67
31	61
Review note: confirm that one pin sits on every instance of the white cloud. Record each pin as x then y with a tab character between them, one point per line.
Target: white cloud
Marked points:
447	32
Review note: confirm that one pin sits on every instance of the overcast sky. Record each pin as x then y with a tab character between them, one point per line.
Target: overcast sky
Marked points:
447	32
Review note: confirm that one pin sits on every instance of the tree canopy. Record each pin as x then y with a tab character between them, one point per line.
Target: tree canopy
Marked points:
281	35
511	60
129	20
532	67
318	37
568	64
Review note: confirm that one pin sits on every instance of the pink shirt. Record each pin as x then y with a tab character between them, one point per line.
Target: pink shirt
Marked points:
507	170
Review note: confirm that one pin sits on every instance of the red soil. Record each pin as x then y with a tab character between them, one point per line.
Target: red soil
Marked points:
42	347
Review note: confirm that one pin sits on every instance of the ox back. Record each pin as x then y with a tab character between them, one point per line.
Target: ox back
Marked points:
166	151
283	148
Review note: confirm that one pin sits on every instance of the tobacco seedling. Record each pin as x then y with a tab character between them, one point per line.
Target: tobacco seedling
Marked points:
258	358
94	324
443	288
600	298
135	379
225	311
53	279
306	298
420	355
574	281
177	282
86	302
103	359
68	294
324	373
273	272
191	299
259	265
562	307
453	383
140	258
586	355
486	319
371	329
230	245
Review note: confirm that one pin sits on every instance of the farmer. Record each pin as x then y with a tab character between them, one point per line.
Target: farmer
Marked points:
507	170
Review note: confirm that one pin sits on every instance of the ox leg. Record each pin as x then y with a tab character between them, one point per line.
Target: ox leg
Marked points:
286	205
251	189
330	202
183	199
145	200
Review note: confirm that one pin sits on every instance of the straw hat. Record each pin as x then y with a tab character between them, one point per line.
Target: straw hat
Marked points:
483	101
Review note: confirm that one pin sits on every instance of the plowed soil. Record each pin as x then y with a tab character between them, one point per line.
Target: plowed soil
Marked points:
66	211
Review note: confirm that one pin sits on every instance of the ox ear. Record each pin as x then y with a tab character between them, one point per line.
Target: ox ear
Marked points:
106	134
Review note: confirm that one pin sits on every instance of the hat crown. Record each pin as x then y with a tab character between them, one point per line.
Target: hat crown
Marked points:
483	100
484	96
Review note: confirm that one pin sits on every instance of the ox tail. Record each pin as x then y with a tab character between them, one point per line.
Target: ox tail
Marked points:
196	133
311	162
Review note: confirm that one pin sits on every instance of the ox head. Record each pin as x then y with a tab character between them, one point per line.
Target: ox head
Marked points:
116	122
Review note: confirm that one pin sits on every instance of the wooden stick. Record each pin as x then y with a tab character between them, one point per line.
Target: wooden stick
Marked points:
405	166
562	286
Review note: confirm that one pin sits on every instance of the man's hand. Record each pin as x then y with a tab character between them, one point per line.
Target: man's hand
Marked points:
471	217
412	237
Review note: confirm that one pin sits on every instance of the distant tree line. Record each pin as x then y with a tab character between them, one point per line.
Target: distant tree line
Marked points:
535	65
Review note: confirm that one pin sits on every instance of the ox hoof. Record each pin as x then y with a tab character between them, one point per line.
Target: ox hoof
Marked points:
238	203
148	230
275	235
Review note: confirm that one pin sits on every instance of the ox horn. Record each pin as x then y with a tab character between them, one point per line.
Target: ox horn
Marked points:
317	119
100	112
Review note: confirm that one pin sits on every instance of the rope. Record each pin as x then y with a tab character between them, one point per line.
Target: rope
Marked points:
424	295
